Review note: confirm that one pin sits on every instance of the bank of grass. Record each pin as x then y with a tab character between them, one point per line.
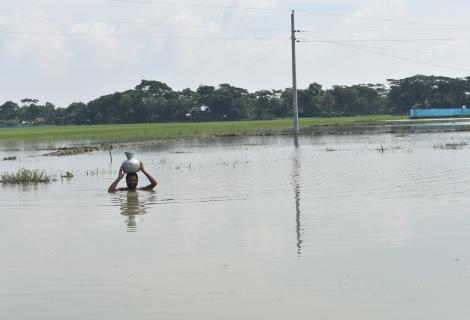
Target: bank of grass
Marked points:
26	176
166	131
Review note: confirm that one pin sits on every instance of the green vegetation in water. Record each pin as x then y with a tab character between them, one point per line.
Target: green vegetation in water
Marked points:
26	176
168	131
450	146
67	175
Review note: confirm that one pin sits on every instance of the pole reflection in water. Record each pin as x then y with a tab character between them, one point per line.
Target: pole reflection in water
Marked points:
135	203
296	183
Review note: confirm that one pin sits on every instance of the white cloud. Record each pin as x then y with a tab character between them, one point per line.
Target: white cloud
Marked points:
37	63
106	51
48	55
378	8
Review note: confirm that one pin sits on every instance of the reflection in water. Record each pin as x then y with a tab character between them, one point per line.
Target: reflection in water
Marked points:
30	187
396	233
131	206
296	184
296	140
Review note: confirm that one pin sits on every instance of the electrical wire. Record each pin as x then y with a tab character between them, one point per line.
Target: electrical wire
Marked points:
166	3
313	12
393	40
142	23
201	5
420	51
379	29
364	49
344	42
146	36
136	23
322	13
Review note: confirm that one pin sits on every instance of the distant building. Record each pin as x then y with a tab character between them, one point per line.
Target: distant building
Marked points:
439	112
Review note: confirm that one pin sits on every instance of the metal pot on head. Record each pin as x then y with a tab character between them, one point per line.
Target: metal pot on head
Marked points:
131	165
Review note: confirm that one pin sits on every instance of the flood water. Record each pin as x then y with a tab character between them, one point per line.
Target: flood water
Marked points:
244	228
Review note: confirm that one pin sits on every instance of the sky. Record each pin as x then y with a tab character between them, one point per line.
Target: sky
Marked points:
65	51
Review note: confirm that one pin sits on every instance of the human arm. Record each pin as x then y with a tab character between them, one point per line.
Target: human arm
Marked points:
153	182
112	187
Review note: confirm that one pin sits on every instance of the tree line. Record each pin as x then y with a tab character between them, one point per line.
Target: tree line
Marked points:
155	101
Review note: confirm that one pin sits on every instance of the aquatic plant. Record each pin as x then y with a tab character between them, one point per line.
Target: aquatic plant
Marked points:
67	175
450	146
26	176
92	172
98	171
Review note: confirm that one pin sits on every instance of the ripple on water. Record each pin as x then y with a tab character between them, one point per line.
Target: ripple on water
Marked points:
250	222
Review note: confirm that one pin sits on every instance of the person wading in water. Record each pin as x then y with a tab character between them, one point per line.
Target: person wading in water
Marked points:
132	179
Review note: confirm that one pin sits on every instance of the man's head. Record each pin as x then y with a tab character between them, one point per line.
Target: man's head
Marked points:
131	180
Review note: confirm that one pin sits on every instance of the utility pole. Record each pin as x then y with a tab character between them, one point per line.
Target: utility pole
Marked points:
294	77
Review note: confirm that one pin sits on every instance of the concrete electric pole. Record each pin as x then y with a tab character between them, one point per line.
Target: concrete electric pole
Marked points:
294	77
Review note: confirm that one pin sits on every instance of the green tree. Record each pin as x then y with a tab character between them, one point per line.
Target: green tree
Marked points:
9	111
77	113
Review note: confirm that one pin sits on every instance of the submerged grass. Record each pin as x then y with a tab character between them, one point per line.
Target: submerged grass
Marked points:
451	146
26	176
167	131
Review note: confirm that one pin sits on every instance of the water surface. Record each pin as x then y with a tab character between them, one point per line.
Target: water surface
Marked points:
244	228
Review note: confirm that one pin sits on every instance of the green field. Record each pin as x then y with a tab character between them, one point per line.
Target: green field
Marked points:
166	131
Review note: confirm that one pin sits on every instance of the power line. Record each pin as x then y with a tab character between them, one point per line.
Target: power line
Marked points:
319	39
142	23
384	29
313	12
391	56
392	40
419	51
146	36
137	23
201	5
322	13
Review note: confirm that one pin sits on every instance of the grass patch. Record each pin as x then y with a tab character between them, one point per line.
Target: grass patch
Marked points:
26	176
167	131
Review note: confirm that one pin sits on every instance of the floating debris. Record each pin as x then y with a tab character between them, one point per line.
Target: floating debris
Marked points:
70	151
